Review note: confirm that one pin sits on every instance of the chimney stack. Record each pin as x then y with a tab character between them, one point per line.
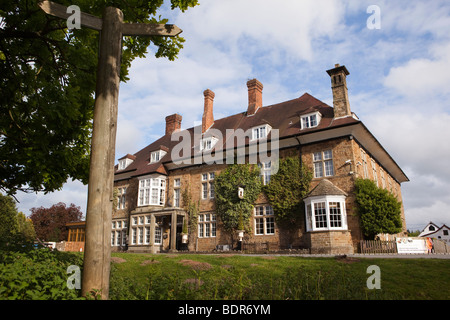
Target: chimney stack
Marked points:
341	103
173	123
254	96
208	117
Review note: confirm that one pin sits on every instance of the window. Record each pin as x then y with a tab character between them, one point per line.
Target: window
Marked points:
265	172
176	192
155	156
121	198
325	213
158	235
152	191
207	225
310	120
123	163
260	132
208	143
119	233
208	185
364	164
383	178
264	220
445	232
374	172
323	164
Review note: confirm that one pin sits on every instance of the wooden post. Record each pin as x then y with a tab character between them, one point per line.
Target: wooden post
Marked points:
97	256
101	175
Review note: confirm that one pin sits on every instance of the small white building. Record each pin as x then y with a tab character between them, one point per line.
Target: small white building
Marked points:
433	231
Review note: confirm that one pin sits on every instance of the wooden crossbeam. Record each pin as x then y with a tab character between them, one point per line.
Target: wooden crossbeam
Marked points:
128	29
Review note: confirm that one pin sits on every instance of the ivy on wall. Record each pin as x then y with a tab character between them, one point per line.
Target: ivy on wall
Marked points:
286	191
379	210
234	212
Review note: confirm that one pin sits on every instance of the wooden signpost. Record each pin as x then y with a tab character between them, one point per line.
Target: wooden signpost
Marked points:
97	256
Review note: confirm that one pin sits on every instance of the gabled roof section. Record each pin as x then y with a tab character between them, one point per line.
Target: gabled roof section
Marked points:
326	188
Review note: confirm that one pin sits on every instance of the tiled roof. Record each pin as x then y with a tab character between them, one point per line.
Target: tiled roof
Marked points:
283	116
326	188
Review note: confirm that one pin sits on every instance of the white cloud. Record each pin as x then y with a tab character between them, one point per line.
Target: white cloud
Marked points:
423	77
287	25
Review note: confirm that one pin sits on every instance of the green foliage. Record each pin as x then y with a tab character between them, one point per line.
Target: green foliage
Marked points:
13	223
229	207
47	86
190	207
286	191
379	210
28	273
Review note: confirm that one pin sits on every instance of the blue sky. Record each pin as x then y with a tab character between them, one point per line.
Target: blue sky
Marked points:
398	83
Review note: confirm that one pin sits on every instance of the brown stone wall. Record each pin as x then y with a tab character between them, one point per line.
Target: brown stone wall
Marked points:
331	242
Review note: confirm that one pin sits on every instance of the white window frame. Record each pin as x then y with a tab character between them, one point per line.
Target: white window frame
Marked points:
124	163
260	132
310	120
207	190
322	162
265	171
208	143
206	224
119	232
152	191
156	156
264	218
327	202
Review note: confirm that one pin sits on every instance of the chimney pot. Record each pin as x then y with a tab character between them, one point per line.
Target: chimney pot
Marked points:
173	123
254	96
208	116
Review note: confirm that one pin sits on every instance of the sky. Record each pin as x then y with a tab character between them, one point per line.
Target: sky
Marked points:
398	57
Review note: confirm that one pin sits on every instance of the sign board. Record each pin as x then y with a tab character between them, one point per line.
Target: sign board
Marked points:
411	245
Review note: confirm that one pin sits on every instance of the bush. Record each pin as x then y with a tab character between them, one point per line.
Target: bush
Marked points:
30	273
379	210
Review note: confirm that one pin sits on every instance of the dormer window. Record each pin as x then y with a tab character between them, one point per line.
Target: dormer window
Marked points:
260	132
208	143
310	120
125	162
155	156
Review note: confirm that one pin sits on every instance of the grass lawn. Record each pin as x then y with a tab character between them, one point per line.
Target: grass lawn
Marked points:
237	277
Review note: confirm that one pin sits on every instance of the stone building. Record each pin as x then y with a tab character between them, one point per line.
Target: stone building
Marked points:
332	141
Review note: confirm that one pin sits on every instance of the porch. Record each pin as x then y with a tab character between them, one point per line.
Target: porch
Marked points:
154	231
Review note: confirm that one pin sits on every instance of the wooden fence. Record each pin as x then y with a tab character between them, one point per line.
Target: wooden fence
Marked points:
377	246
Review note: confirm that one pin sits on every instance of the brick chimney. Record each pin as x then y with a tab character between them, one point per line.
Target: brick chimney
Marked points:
208	117
341	103
254	96
173	123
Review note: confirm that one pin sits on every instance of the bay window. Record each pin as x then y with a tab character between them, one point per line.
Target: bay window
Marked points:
152	191
325	213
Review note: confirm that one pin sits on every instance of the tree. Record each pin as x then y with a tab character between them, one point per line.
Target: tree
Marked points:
379	210
229	207
50	223
8	217
286	191
26	227
14	225
47	86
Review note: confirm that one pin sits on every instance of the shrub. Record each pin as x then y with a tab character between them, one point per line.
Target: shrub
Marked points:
30	273
379	210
